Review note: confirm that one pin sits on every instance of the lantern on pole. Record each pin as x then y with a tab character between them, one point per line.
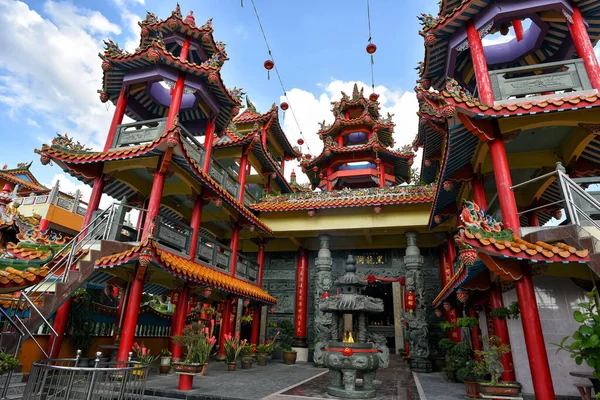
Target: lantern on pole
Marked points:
438	313
272	309
246	302
447	306
269	64
193	301
462	295
206	292
411	301
175	296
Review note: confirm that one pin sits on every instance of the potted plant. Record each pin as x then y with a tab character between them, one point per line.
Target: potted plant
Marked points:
199	341
287	340
467	322
470	377
586	343
165	361
447	326
457	357
490	364
510	312
445	346
264	350
247	356
7	363
246	319
142	357
233	346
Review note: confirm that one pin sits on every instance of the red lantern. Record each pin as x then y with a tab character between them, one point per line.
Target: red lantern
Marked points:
206	292
218	203
438	313
284	106
246	302
104	97
425	84
373	96
428	163
449	111
347	352
411	161
468	256
44	159
447	306
371	48
272	309
308	156
300	141
107	66
311	213
377	209
411	301
145	258
448	186
462	295
437	219
371	279
325	295
430	40
269	64
193	301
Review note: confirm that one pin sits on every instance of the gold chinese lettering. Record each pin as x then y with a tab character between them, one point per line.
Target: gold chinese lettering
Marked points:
360	259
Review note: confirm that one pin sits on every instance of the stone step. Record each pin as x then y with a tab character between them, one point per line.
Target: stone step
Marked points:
16	377
15	389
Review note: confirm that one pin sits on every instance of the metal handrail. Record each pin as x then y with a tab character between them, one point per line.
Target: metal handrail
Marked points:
21	335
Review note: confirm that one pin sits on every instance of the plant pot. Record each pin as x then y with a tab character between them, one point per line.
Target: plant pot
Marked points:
139	372
289	357
164	369
231	366
439	364
181	368
451	375
247	362
472	389
262	359
506	389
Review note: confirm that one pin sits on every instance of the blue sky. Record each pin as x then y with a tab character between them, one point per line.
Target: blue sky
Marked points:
49	69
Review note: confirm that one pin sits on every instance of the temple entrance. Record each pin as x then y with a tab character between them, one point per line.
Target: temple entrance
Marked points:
383	323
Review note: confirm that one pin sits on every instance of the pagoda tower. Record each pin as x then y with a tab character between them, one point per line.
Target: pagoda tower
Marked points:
357	148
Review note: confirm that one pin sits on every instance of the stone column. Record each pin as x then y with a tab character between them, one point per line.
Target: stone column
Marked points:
418	328
398	328
323	263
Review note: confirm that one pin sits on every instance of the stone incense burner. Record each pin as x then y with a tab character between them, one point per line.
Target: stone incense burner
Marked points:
341	353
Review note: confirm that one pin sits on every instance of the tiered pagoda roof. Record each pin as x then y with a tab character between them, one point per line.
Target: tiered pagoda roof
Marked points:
362	114
159	53
22	176
248	129
546	39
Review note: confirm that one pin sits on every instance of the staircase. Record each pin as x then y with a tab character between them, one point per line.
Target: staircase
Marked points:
74	264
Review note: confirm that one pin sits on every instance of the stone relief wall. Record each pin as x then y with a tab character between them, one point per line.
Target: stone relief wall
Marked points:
280	279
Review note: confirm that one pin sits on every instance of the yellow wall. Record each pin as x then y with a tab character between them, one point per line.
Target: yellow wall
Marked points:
64	218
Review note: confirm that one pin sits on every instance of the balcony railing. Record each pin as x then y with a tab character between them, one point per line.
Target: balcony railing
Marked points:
140	132
75	205
540	80
213	253
225	177
246	268
173	234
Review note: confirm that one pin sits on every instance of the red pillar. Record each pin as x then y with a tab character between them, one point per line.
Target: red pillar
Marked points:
195	225
532	219
172	330
381	175
534	338
120	308
180	316
584	48
475	332
501	330
261	263
518	25
154	201
329	180
44	223
131	314
177	91
264	137
235	239
225	318
484	85
301	298
340	141
117	117
208	143
506	196
255	325
242	175
282	165
479	192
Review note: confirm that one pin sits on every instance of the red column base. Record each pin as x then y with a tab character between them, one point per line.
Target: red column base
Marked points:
185	382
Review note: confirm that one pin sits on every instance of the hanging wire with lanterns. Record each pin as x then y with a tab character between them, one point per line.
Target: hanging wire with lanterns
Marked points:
371	49
270	65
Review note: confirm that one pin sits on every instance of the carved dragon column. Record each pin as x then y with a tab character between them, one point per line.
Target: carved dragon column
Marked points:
323	321
418	329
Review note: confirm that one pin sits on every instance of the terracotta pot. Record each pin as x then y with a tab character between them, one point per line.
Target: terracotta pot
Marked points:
164	369
501	389
262	359
439	364
188	369
451	375
231	366
289	357
247	362
472	389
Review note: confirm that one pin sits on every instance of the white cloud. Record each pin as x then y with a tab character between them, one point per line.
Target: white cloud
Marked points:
131	20
497	38
53	69
31	122
311	109
242	32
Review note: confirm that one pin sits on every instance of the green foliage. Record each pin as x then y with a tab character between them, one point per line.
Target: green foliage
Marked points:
7	362
457	356
142	354
446	344
247	350
586	339
447	326
469	372
510	312
80	324
233	346
165	353
199	341
246	319
467	322
272	324
288	335
490	360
